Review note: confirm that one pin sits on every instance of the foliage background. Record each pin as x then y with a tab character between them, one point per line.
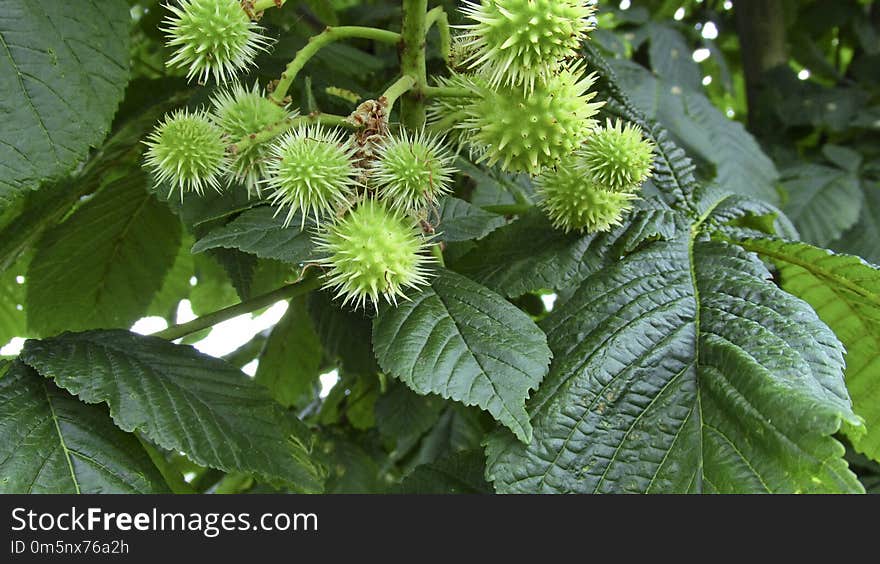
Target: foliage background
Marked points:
776	100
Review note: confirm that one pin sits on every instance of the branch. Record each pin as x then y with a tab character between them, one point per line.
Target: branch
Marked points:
438	16
412	62
298	288
277	129
321	40
760	25
403	85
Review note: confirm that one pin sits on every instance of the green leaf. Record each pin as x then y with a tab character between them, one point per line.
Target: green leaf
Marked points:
530	255
182	400
52	443
345	334
525	256
461	221
403	416
733	212
102	267
464	342
258	231
671	57
683	368
65	66
845	292
291	360
823	201
119	156
461	473
862	238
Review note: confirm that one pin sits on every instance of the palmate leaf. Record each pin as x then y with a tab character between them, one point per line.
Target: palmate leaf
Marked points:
65	65
845	292
461	341
50	442
683	368
183	401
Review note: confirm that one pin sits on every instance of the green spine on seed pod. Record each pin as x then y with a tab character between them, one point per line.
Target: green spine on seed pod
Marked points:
371	252
574	202
212	38
528	132
312	170
188	151
618	157
240	112
411	171
522	42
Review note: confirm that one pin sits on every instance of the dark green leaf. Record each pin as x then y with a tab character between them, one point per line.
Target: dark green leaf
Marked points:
102	267
291	360
403	416
461	221
65	65
52	443
683	368
344	334
823	201
464	342
461	473
183	401
258	231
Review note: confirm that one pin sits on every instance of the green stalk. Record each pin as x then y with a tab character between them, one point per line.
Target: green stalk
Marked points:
438	16
396	90
260	5
412	62
447	92
509	209
259	302
323	39
277	129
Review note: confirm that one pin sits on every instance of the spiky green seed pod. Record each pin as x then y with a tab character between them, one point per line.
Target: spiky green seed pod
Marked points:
618	157
188	151
312	171
521	42
240	112
373	251
412	170
573	202
528	132
212	38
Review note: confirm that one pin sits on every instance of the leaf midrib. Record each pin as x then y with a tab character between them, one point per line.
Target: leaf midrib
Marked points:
67	455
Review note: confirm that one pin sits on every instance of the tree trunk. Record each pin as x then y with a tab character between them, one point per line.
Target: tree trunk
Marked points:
760	25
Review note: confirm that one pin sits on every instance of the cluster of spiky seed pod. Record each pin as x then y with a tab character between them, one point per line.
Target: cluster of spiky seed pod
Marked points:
522	103
364	212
